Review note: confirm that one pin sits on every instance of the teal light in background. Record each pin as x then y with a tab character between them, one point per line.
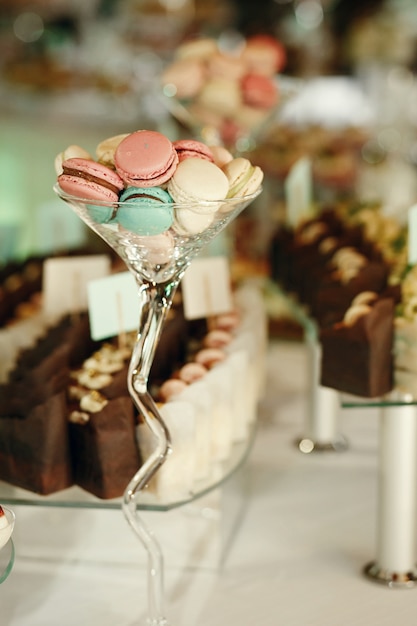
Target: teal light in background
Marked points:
12	201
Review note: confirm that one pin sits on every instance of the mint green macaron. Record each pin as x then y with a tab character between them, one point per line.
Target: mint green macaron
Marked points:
145	210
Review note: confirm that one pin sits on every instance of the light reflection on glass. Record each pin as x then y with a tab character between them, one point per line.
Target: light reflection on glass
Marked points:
28	27
309	14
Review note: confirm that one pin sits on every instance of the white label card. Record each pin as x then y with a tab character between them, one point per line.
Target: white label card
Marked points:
412	235
206	288
113	305
298	188
65	281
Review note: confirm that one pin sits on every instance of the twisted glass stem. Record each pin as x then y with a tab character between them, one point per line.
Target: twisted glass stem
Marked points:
155	301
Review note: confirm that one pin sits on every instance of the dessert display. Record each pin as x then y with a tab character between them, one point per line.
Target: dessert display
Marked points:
345	266
206	412
102	418
147	174
357	355
154	417
34	445
227	93
334	249
67	417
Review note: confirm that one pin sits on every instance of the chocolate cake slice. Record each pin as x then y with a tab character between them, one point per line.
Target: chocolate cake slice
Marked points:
34	450
357	353
104	452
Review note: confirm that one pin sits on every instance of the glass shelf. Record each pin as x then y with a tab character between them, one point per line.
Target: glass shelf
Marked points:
394	398
75	497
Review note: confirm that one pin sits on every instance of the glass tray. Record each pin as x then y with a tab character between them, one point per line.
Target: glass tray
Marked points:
75	497
394	398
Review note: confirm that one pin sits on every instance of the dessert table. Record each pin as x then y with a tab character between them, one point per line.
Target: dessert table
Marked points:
283	541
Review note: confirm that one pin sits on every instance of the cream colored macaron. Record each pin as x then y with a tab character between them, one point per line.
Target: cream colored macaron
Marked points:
244	178
106	149
72	152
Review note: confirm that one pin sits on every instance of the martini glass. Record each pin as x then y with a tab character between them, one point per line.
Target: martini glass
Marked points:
6	544
157	262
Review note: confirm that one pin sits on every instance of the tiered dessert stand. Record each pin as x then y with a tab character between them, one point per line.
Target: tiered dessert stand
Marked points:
395	563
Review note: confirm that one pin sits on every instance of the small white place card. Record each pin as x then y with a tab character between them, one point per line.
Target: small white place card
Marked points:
412	235
298	187
113	305
206	288
65	281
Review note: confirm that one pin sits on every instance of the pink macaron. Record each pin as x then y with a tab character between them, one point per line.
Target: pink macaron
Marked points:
146	158
89	180
184	78
264	54
171	388
188	148
191	372
209	357
259	91
228	321
217	338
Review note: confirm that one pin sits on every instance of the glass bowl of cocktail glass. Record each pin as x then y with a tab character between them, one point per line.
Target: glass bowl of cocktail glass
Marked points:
7	520
225	90
233	125
157	260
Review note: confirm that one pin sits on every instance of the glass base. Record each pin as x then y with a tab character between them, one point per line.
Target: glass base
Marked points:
307	445
403	580
6	560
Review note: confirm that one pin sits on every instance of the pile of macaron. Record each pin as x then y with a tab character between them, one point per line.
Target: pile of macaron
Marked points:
147	184
232	91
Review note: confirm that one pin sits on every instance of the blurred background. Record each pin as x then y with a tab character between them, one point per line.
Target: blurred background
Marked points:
90	69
